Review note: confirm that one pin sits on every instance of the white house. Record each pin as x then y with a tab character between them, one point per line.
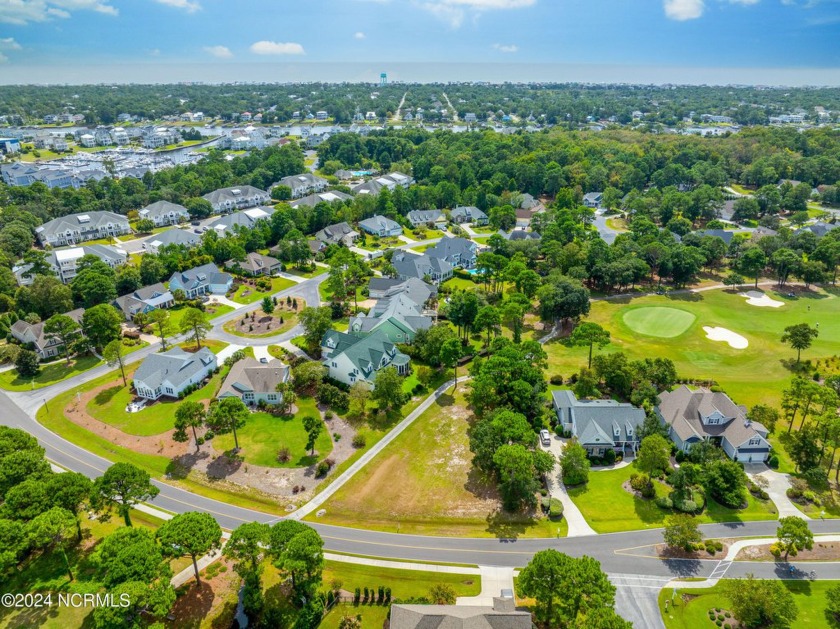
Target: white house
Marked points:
170	373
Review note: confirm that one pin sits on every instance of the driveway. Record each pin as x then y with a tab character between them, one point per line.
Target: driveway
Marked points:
578	526
777	489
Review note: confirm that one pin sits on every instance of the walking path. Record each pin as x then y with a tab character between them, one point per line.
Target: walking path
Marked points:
494	579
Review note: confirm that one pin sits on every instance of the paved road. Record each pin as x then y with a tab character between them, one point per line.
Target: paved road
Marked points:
608	234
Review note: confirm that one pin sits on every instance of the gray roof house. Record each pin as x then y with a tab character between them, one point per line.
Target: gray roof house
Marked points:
410	265
501	615
246	219
426	217
144	300
338	233
303	184
381	226
519	234
64	261
170	373
468	214
321	197
399	314
254	382
599	425
76	228
593	199
226	200
46	346
164	213
724	234
255	264
819	229
172	236
692	416
201	280
390	181
417	290
456	251
352	359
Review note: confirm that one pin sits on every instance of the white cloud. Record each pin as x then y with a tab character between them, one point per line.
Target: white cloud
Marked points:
22	12
746	3
276	48
682	10
454	11
154	52
9	43
359	35
509	48
220	52
190	6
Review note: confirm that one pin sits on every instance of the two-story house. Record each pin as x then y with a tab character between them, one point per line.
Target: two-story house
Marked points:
75	228
226	200
350	359
303	184
423	267
201	280
144	300
599	425
381	226
164	213
458	252
47	346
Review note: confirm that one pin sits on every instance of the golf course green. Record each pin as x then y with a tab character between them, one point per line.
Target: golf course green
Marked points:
659	321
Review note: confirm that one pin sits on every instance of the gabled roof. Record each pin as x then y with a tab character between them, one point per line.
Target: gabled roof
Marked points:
410	265
201	275
245	218
468	213
21	327
251	376
456	617
424	216
175	366
254	262
365	353
152	296
312	200
161	208
378	223
334	233
233	193
174	236
304	179
449	248
519	234
80	222
599	422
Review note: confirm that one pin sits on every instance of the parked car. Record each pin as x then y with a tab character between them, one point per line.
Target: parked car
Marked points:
195	223
545	437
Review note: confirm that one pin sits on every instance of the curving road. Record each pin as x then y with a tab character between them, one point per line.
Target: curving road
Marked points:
619	553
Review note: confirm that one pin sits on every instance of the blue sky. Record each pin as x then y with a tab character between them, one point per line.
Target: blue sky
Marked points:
699	33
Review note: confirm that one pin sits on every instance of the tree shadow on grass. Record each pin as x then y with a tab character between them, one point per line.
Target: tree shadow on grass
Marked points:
692	297
179	467
504	526
106	395
480	486
225	465
35	616
194	603
445	400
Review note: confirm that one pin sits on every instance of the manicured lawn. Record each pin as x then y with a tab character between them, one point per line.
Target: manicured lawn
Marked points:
811	599
757	374
319	270
618	224
264	434
658	321
424	483
404	584
212	345
741	189
108	406
212	310
49	374
277	284
609	508
458	282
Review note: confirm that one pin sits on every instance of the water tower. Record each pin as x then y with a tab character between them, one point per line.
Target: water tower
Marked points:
383	79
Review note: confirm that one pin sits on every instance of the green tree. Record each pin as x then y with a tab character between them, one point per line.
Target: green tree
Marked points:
195	323
832	602
226	414
246	546
359	396
102	324
161	322
113	355
567	590
189	414
190	534
726	481
65	329
654	455
27	364
316	323
267	305
54	529
71	491
519	469
589	334
681	531
765	415
130	554
143	602
760	602
513	315
488	319
799	337
574	464
313	427
303	559
794	535
387	390
123	486
450	353
26	500
752	263
442	594
14	541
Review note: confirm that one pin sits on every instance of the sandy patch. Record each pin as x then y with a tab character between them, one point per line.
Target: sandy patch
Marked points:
762	300
736	341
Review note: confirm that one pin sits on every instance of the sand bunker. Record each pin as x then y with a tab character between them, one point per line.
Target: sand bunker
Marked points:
736	341
757	298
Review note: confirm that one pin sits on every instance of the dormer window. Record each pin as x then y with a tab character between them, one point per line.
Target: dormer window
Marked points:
755	441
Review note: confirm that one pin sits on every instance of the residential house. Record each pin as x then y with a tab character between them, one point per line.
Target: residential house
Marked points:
164	213
247	219
170	373
390	181
381	226
254	382
350	359
255	264
173	236
303	184
76	228
47	346
422	266
144	300
501	615
458	252
64	262
468	214
692	416
338	233
321	197
724	234
519	234
202	280
399	312
470	117
321	115
9	146
599	425
427	217
819	229
119	136
226	200
87	140
593	199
